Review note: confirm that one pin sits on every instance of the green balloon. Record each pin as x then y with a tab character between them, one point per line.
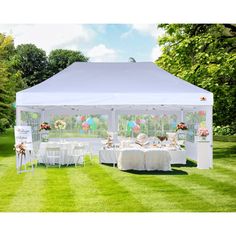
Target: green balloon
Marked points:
13	105
93	126
129	130
34	116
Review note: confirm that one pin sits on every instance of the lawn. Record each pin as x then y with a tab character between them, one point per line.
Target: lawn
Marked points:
102	188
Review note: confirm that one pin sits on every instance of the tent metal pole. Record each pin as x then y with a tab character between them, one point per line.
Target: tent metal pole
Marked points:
18	115
113	123
209	124
42	115
182	115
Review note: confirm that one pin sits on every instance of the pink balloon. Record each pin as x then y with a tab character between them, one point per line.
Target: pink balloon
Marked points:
142	121
136	129
82	118
201	113
85	126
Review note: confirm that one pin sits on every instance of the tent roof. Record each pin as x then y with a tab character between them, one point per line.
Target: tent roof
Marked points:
124	83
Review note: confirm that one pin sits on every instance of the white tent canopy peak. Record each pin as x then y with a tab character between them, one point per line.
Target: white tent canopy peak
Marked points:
90	83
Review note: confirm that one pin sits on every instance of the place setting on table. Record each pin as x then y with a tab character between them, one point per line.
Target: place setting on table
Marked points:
143	153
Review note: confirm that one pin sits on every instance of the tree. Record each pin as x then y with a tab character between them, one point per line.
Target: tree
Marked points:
205	55
59	59
7	81
31	62
5	96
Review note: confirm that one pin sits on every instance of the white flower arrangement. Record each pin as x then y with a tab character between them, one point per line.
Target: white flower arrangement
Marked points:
60	124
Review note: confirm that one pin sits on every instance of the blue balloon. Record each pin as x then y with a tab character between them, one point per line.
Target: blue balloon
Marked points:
90	121
174	124
131	124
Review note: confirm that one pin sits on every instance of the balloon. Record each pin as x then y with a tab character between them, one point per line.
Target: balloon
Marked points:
173	125
82	118
90	120
34	116
13	105
131	124
136	129
129	129
93	126
201	113
142	121
85	126
203	124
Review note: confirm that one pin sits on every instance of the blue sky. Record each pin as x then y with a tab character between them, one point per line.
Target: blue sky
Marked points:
100	42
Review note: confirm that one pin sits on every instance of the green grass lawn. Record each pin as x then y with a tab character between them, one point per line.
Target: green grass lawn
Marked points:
102	188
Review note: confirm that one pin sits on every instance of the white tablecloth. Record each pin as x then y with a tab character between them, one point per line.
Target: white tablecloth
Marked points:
152	158
157	160
131	159
108	156
178	156
66	149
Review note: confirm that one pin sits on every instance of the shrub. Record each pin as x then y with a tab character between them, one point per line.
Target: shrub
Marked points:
4	123
225	129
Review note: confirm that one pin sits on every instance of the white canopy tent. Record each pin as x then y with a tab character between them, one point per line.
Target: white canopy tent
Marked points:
115	89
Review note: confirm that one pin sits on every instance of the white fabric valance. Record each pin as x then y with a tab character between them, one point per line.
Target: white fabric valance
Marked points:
88	84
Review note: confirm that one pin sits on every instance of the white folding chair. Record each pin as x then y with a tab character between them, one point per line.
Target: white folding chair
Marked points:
78	155
53	156
88	149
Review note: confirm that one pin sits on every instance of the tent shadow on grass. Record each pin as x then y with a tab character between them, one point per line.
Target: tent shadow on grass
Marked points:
156	172
189	163
224	152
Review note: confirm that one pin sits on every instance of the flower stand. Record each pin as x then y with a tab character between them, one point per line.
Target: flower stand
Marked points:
181	134
44	135
203	153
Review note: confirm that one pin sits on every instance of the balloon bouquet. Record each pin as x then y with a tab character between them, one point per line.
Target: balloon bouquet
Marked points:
133	127
88	124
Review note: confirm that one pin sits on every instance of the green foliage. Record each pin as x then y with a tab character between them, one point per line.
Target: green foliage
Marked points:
59	59
31	62
8	82
35	67
225	129
26	66
4	124
205	55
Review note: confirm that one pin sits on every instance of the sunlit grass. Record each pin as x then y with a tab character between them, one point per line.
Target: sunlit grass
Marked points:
103	188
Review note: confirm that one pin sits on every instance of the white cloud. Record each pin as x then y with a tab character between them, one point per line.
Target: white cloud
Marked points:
146	29
50	37
156	53
100	53
151	30
126	34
